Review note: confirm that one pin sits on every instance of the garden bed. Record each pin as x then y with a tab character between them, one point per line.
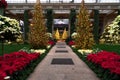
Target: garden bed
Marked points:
8	48
17	72
109	47
110	71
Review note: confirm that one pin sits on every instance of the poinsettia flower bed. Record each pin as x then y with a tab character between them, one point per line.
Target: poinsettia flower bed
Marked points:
85	51
14	63
51	42
70	43
105	64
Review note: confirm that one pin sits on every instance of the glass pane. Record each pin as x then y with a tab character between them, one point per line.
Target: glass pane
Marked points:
86	1
15	1
31	1
63	1
109	1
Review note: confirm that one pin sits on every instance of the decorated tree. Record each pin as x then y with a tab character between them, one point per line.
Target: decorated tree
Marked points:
64	35
57	35
37	35
84	38
111	32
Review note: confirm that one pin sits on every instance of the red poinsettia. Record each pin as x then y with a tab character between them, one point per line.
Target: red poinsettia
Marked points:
107	60
10	63
3	4
51	42
71	43
116	70
2	75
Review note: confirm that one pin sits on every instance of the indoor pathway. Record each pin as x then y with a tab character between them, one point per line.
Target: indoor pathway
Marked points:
61	63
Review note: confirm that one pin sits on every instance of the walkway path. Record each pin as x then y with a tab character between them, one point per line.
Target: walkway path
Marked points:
65	66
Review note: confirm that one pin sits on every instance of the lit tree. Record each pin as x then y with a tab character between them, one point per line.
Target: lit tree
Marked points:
111	34
84	38
37	34
57	35
64	35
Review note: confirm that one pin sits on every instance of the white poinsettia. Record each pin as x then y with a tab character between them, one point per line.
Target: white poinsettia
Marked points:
116	26
1	22
115	23
13	30
9	26
73	46
1	32
48	46
73	35
85	51
7	78
7	19
49	34
110	25
111	31
41	51
117	19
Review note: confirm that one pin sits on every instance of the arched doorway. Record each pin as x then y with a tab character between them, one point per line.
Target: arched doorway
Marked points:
61	24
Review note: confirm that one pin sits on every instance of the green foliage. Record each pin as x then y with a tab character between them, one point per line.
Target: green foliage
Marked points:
25	72
103	74
49	17
108	47
12	48
95	50
26	49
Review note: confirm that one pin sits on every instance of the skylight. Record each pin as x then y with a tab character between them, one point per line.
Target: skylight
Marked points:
63	1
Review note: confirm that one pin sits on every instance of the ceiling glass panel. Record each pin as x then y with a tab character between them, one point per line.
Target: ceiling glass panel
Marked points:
86	1
109	1
31	1
15	1
63	1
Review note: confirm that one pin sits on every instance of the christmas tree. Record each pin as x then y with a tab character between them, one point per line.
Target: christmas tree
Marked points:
64	35
37	35
111	34
84	38
57	35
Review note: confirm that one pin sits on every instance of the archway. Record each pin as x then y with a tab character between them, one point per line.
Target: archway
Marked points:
61	24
